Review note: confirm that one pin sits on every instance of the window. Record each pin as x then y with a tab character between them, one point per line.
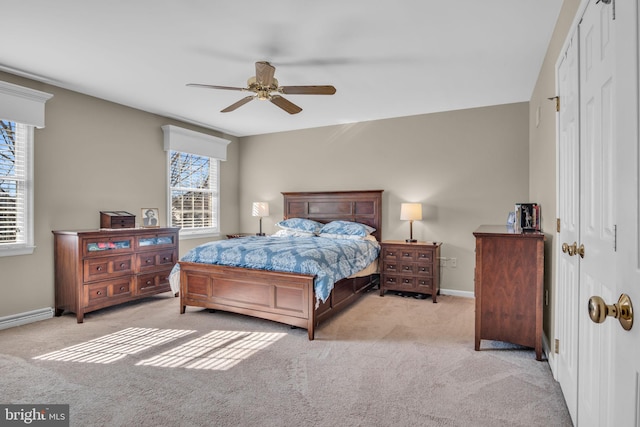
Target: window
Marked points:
194	180
21	109
194	191
16	142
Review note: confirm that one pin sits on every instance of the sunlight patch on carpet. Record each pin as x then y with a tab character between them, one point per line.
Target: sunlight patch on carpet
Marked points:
217	350
113	347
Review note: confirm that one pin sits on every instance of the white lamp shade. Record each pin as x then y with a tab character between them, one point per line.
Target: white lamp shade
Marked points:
411	211
260	209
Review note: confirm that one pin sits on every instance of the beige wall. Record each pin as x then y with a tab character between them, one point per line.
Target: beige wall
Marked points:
466	167
94	155
542	152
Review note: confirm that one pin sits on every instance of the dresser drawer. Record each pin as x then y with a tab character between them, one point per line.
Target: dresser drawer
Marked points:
153	283
156	241
153	260
105	267
101	246
102	292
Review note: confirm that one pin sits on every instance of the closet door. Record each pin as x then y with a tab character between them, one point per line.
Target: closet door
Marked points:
597	209
566	304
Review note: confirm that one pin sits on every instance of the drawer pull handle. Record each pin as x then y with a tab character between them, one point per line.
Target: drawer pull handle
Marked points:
406	268
148	261
406	281
406	254
423	269
165	258
99	268
122	265
392	253
148	282
99	293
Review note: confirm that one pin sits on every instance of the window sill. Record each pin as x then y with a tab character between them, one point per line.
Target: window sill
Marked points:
17	250
198	234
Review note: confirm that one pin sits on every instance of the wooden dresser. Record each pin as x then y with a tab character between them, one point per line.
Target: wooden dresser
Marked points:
509	281
101	268
410	267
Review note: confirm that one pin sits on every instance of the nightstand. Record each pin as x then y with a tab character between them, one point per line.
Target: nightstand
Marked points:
410	267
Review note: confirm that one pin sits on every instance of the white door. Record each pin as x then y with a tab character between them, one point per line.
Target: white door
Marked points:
626	350
597	210
568	208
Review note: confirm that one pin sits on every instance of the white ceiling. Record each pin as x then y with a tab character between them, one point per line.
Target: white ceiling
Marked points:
386	58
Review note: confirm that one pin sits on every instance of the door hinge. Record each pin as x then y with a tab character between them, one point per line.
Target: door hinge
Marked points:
557	99
558	225
557	346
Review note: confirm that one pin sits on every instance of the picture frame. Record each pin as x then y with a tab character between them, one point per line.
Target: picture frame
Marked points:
150	217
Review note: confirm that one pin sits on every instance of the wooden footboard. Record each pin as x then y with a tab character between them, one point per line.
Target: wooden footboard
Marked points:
282	297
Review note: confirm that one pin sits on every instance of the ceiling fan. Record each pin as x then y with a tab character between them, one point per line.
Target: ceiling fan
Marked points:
265	87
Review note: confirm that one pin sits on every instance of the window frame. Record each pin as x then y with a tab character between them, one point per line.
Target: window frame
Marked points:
196	232
27	246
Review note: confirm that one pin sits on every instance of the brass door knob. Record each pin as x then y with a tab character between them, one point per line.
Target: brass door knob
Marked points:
580	251
570	249
622	310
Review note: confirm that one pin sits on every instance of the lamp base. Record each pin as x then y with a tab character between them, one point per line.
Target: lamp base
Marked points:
260	234
411	241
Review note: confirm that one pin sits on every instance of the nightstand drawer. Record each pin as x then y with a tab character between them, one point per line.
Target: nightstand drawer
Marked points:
397	282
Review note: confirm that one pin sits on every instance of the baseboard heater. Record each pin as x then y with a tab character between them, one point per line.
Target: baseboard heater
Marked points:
26	317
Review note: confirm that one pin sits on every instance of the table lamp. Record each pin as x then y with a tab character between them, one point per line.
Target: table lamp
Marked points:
411	212
260	209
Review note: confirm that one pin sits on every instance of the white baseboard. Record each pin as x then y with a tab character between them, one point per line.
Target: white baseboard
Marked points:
26	317
455	293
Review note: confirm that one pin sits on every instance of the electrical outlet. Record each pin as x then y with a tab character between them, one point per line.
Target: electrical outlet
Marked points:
454	262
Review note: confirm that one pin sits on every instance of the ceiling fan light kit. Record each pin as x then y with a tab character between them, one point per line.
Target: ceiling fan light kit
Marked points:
266	87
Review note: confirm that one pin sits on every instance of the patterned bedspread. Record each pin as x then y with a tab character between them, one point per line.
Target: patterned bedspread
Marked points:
328	259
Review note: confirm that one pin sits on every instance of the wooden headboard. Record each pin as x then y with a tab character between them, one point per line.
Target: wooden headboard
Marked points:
325	206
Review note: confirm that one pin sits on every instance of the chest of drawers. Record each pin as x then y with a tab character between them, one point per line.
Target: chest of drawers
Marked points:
101	268
509	282
410	267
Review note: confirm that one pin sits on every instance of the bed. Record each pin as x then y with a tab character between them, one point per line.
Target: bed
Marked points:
280	296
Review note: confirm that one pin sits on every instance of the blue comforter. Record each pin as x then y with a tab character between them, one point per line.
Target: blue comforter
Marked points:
328	259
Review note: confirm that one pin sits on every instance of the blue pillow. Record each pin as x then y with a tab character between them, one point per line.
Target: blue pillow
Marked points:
346	228
300	224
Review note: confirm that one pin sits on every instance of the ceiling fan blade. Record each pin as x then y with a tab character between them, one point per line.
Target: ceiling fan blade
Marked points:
216	87
286	105
264	73
307	90
237	104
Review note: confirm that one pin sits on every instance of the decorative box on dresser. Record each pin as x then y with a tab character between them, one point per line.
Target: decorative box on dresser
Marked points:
509	279
410	267
100	268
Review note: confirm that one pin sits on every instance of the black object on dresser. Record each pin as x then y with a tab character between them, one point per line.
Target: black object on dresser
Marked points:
100	268
410	267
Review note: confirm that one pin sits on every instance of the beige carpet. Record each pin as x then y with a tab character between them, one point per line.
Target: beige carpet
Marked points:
387	361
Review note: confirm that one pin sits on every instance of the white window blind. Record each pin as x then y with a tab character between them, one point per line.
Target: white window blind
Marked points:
15	188
194	191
